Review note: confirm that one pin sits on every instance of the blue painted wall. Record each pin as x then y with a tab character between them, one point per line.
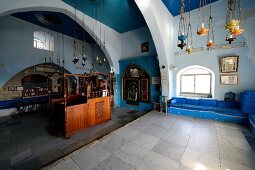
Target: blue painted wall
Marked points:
150	64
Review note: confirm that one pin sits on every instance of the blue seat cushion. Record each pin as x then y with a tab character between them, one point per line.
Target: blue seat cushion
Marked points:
180	100
220	110
228	104
193	101
208	102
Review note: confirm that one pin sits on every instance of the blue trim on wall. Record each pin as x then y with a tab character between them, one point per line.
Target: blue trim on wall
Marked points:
151	66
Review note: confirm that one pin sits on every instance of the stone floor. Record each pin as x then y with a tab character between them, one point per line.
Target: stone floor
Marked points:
26	144
157	142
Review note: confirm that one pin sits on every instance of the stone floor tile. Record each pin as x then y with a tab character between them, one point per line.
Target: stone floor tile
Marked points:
196	160
182	130
113	163
146	141
21	156
127	133
112	143
132	153
91	157
180	139
140	126
233	165
169	150
203	146
156	161
67	164
240	156
31	164
235	142
49	156
155	131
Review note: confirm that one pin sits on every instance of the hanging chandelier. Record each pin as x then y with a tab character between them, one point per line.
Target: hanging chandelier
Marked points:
233	20
75	43
210	36
182	35
201	29
84	58
189	48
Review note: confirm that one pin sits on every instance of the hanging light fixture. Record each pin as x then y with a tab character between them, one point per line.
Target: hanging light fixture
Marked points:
233	20
63	53
58	49
189	48
75	43
230	38
182	35
84	58
201	29
210	36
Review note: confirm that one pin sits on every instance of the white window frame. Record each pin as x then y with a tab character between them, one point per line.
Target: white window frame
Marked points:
46	40
196	95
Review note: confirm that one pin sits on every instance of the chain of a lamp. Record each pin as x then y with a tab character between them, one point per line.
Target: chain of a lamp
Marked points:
190	39
75	32
210	24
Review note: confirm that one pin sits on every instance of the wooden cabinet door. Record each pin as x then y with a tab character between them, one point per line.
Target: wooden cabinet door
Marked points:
145	90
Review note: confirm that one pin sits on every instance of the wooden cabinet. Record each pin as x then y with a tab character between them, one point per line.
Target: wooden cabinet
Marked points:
77	117
135	85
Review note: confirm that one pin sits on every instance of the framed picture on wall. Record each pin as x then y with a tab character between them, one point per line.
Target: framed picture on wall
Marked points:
229	64
231	79
19	88
145	47
11	88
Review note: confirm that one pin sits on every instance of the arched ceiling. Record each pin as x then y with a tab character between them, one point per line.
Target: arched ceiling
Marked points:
55	21
120	15
174	5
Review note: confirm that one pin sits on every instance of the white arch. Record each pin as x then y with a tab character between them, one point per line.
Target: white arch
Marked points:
178	77
112	49
160	23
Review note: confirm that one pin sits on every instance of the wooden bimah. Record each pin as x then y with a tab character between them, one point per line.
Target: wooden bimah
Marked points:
87	107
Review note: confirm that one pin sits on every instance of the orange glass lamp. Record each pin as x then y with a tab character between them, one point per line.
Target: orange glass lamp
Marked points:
237	31
233	20
202	31
210	43
210	37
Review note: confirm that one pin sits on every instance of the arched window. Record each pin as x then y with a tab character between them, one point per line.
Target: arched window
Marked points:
195	81
43	40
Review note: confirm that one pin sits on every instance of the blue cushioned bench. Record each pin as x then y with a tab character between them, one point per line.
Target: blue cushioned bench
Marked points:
252	122
226	111
7	104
